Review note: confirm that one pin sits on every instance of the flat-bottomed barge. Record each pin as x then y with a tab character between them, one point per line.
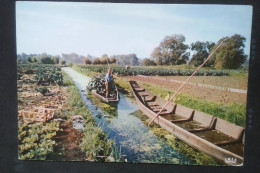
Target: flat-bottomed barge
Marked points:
213	136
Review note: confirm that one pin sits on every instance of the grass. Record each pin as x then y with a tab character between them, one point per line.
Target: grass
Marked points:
234	113
86	72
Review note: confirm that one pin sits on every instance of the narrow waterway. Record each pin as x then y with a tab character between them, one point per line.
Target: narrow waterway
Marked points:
137	142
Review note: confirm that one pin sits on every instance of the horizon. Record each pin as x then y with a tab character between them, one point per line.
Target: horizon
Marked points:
113	29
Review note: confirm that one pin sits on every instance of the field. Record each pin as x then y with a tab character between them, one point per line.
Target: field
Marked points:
203	93
54	137
152	71
47	87
216	101
239	82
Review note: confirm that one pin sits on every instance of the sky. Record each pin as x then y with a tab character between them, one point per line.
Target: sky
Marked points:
122	28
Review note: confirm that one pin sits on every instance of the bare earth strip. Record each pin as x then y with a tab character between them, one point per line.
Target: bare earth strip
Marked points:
199	84
208	94
239	82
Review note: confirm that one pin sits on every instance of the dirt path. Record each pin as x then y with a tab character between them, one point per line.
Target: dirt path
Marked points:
67	143
203	93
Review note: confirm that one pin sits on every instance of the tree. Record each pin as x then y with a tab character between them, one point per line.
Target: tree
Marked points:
29	59
202	52
103	60
130	59
148	62
56	60
171	51
63	62
112	60
96	61
34	60
231	54
87	61
46	60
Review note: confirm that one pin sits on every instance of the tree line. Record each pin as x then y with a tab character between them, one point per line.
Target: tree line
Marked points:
172	50
73	58
43	58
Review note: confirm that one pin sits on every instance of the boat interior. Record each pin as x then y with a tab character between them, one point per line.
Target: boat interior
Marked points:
212	129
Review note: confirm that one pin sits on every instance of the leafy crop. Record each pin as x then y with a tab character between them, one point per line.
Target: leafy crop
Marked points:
35	140
160	71
47	74
98	84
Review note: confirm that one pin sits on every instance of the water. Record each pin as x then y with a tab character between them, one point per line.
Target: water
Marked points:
137	142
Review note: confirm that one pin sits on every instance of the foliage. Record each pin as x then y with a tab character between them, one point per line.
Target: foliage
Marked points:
98	83
46	60
103	60
87	61
148	62
26	69
29	59
63	62
35	140
231	54
160	71
49	74
55	60
130	59
112	60
202	52
171	51
96	61
95	143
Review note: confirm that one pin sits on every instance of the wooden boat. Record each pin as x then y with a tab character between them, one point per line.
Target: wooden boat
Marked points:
216	137
109	99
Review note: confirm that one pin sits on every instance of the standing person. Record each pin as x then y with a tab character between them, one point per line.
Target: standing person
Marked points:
108	81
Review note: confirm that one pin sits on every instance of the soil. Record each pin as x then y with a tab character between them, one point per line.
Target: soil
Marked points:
208	94
67	143
68	139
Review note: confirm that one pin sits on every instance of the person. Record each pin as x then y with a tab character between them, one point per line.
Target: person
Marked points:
108	81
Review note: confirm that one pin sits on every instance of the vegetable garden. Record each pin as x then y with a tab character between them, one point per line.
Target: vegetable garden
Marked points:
160	71
45	87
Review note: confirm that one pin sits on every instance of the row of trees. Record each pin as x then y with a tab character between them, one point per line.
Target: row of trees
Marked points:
103	60
73	58
173	51
123	60
39	59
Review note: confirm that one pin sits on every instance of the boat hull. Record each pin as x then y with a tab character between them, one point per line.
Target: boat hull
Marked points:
106	100
191	139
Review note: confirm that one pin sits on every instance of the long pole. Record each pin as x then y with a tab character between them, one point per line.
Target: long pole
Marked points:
186	82
108	64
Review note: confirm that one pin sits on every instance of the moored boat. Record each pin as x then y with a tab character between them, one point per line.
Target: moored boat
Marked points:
213	136
102	98
98	88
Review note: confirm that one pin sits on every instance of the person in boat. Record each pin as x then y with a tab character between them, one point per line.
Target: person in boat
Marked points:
108	82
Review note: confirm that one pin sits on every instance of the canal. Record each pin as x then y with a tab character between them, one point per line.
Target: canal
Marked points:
137	142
